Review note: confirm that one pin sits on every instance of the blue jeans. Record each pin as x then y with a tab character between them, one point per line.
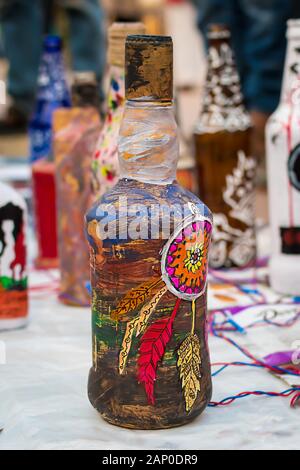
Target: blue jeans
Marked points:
22	27
258	30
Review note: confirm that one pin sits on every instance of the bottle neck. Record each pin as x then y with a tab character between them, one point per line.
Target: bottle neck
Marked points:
223	104
116	93
148	142
291	68
52	84
85	95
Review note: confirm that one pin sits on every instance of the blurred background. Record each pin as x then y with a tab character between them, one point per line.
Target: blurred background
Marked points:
258	34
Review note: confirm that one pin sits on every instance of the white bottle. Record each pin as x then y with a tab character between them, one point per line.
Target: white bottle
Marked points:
13	274
283	165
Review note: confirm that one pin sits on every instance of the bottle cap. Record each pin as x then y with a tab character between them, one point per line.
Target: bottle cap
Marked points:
218	31
117	34
52	43
84	77
149	68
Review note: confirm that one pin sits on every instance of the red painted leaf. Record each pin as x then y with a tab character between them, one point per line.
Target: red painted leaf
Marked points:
152	349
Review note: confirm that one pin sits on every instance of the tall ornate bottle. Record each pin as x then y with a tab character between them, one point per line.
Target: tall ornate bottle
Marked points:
149	240
105	165
75	132
13	251
52	93
283	164
225	170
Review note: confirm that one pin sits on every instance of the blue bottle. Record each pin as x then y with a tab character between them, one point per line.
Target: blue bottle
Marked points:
52	93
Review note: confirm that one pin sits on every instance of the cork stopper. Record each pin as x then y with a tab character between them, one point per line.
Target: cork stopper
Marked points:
117	34
149	68
218	31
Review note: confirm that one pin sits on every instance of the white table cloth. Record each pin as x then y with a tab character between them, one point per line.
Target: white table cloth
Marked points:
44	404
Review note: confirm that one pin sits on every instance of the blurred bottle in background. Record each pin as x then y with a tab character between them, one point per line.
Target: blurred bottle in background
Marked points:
75	133
283	164
225	170
52	93
23	25
105	164
258	40
44	209
13	254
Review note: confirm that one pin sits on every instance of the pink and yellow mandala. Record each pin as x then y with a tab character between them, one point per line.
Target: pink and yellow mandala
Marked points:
184	260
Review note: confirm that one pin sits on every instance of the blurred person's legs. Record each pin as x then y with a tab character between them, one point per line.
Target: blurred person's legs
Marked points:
224	12
87	38
22	29
263	44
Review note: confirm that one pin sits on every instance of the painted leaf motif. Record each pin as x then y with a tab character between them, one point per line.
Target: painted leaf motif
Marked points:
137	326
134	298
152	349
147	310
126	344
189	361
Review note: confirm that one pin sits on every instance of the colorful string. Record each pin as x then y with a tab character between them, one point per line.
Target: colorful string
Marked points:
295	392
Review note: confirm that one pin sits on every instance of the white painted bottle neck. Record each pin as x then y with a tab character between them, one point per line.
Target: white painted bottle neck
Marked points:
148	143
292	60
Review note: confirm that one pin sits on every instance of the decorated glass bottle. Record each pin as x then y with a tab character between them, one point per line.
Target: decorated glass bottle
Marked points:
13	251
75	132
52	93
105	165
149	241
225	170
283	168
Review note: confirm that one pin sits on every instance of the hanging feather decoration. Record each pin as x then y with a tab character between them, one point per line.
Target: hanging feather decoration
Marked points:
134	298
189	361
152	349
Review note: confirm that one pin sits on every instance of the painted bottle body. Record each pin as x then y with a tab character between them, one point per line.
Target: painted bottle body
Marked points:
13	252
225	170
52	93
75	133
151	365
283	164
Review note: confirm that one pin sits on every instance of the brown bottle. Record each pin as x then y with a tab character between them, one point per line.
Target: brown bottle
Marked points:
225	170
151	365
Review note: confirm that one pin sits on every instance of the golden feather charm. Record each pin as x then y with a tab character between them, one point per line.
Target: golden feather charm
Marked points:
189	361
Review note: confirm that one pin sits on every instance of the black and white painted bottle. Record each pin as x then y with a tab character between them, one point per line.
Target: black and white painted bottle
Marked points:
13	274
283	163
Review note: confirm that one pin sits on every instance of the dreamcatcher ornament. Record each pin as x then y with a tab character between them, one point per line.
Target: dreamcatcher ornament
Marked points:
184	265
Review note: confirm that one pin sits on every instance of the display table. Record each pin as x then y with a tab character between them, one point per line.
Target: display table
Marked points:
44	404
